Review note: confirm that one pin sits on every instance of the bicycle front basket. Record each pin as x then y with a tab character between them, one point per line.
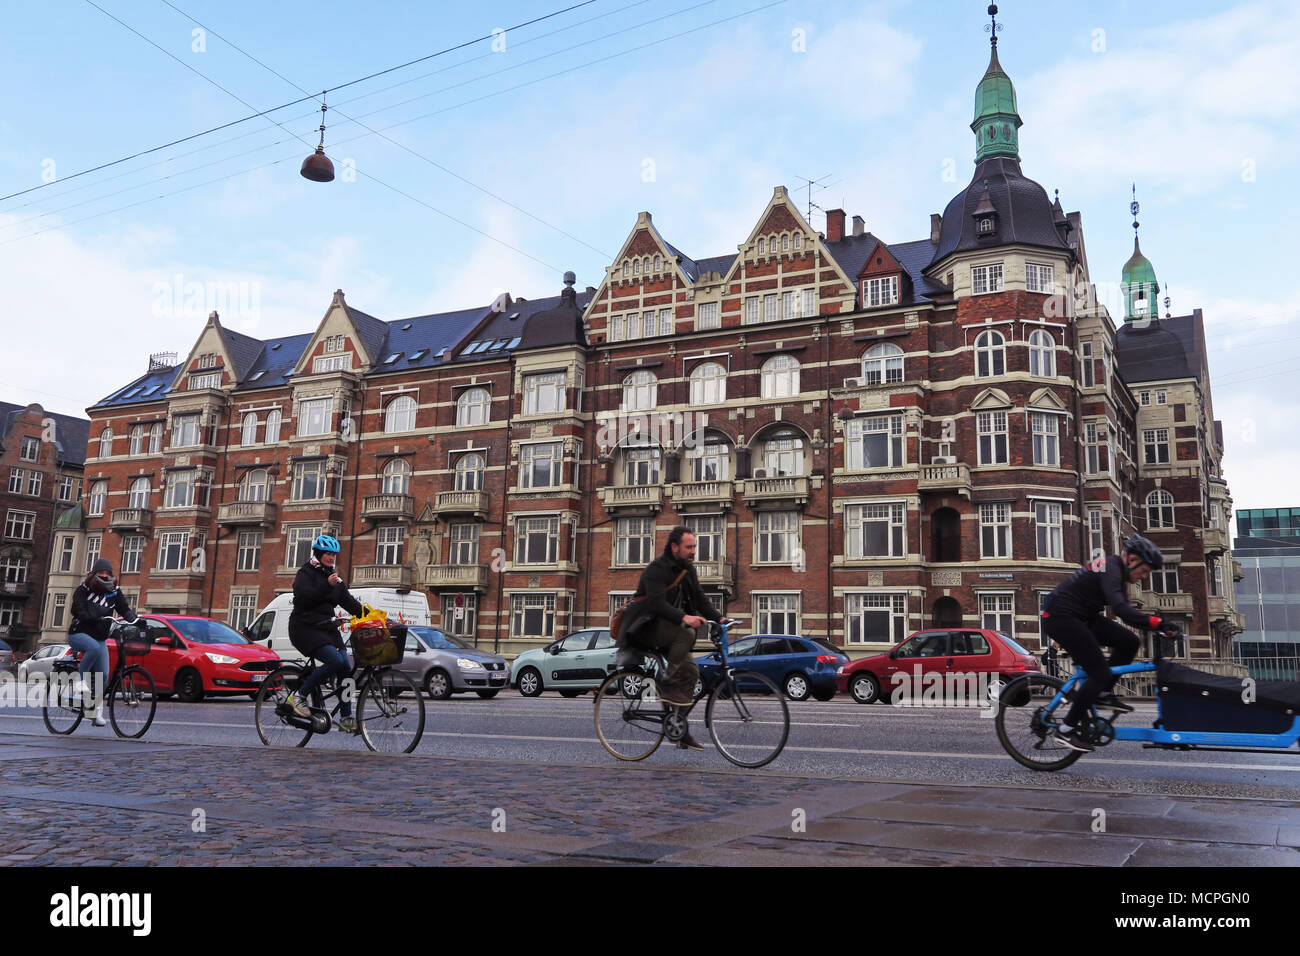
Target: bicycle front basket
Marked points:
373	646
132	641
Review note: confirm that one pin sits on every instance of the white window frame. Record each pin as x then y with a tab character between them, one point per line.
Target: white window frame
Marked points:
992	426
31	449
98	499
892	515
640	391
776	532
534	454
1155	445
634	542
396	477
174	551
708	384
1038	278
994	606
315	416
248	553
883	364
1045	431
472	463
1159	505
996	539
1042	354
642	462
400	414
390	545
986	279
463	541
880	291
543	390
332	363
537	606
138	495
707	316
990	354
779	377
1087	371
710	453
206	380
243	608
777	612
1049	530
858	430
859	604
529	526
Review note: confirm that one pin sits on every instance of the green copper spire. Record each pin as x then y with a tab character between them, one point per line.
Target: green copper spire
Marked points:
996	124
1138	280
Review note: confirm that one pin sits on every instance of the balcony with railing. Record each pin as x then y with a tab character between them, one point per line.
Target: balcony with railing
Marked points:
1214	540
710	494
387	508
131	519
16	589
954	476
781	491
1222	607
234	513
718	574
473	503
1173	603
632	498
382	576
465	577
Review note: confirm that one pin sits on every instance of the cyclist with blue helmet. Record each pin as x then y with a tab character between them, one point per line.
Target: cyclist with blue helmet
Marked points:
313	630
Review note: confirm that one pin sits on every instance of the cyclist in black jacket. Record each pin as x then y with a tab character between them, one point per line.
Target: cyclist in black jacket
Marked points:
93	605
1073	618
313	630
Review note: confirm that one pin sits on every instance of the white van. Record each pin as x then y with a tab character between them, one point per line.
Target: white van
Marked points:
272	625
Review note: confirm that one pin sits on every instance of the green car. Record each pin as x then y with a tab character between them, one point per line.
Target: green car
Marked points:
572	665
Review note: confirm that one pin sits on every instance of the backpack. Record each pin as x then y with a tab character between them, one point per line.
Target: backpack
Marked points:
616	619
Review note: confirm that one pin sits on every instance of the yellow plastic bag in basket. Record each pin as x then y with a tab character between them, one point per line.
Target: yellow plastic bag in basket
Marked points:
371	644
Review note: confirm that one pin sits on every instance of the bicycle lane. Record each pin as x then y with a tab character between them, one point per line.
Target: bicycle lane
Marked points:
155	803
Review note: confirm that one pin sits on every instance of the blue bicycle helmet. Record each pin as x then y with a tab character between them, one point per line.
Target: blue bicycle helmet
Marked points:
325	543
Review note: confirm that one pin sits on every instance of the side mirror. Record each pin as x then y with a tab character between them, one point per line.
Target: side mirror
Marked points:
165	642
893	655
247	633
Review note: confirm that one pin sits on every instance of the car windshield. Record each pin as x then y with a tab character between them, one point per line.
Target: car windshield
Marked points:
207	632
438	640
1013	645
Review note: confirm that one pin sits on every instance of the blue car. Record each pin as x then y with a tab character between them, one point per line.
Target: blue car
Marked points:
801	666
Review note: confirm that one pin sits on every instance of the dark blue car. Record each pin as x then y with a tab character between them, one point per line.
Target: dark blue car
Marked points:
800	666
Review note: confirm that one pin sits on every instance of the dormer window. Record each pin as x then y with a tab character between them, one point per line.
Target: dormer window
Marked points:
985	226
881	291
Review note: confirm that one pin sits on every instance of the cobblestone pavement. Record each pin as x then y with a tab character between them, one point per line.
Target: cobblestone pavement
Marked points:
202	805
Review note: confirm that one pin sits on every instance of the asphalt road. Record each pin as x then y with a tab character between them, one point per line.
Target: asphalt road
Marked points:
835	740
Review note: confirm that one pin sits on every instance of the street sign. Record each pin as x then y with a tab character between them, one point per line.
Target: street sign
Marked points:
460	602
460	613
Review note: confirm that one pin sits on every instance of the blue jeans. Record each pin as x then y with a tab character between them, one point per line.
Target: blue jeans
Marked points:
94	656
332	661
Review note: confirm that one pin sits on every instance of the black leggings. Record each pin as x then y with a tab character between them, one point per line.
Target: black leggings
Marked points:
1084	638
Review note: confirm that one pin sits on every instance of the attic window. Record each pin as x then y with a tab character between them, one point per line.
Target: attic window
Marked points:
406	327
135	391
256	375
152	388
514	343
416	356
276	346
500	343
392	358
287	373
441	352
469	349
514	315
985	226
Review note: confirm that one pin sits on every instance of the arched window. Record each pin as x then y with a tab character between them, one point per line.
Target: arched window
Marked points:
990	354
155	438
474	407
762	246
255	486
98	498
783	454
780	377
106	443
641	465
640	391
248	434
137	440
658	263
399	416
469	472
273	418
785	243
1160	509
1042	354
708	384
883	363
709	459
138	496
397	477
636	267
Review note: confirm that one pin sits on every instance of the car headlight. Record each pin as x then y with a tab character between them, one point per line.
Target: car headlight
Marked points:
220	658
465	664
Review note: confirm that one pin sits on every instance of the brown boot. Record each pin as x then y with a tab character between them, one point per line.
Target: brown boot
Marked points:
671	695
690	743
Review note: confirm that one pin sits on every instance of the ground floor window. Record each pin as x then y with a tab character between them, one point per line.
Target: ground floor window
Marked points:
776	613
243	608
997	613
460	621
532	615
875	618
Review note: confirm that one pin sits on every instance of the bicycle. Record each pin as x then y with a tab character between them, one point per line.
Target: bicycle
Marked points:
387	720
1195	711
744	711
130	692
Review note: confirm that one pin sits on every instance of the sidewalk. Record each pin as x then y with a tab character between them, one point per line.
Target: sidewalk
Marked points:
145	801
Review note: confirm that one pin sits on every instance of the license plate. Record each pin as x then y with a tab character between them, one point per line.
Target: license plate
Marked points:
257	678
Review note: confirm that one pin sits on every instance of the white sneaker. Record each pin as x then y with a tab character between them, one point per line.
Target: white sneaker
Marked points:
98	717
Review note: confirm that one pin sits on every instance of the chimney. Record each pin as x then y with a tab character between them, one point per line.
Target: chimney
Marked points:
936	225
834	225
859	225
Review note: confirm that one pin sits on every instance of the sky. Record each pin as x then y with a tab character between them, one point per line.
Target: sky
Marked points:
530	149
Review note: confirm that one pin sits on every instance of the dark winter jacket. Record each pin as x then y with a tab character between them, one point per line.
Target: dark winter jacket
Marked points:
666	602
92	614
311	625
1088	591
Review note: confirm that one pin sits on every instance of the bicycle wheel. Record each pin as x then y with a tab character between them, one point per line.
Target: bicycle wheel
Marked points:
272	713
1025	729
132	700
630	728
750	723
390	713
61	711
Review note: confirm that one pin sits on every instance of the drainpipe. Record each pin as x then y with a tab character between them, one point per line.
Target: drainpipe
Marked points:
216	538
828	440
356	478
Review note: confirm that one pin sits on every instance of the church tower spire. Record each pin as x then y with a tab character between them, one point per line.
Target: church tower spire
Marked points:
1138	280
996	125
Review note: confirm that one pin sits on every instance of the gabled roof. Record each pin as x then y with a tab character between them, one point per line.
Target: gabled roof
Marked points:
243	349
718	264
277	357
504	332
373	332
72	433
851	253
689	265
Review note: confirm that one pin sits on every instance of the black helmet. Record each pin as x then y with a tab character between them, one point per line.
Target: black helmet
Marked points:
1146	550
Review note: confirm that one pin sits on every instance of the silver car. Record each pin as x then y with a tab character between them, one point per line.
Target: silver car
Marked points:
6	657
444	665
37	667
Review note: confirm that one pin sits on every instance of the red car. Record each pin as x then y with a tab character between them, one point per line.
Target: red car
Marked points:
938	662
194	656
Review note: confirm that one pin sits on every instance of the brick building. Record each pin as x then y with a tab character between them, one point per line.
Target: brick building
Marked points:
41	459
868	437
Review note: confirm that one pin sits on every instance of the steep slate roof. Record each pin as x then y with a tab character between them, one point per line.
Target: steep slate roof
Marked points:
374	332
719	264
689	265
244	350
72	433
149	387
428	334
851	253
277	357
1024	213
502	327
1156	351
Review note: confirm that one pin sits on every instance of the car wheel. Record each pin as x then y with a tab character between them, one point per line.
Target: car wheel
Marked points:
189	686
795	686
824	695
489	694
571	692
699	689
631	685
864	688
437	684
530	682
996	686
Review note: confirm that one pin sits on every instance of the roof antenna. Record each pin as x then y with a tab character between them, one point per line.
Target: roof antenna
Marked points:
810	183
